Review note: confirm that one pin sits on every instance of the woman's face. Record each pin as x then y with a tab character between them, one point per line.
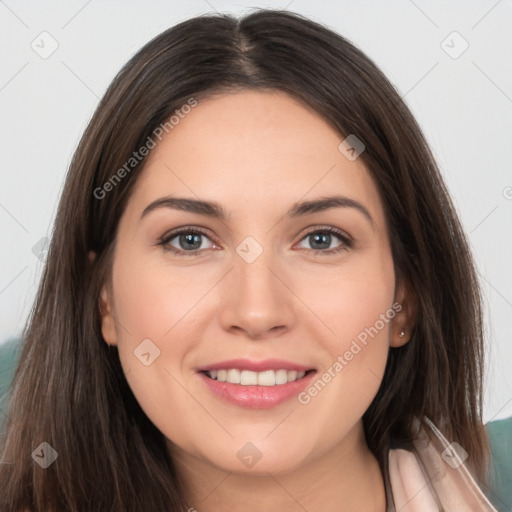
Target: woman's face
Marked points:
261	289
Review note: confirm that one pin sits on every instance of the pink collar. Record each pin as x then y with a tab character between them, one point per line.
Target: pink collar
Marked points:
432	477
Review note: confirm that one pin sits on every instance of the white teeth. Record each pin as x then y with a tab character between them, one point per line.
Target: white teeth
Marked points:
249	378
281	377
233	376
267	378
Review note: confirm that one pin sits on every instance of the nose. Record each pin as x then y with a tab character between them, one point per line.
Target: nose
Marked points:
257	298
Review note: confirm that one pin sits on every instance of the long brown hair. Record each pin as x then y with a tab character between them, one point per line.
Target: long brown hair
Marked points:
69	389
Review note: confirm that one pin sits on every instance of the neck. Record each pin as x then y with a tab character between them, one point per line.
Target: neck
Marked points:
346	478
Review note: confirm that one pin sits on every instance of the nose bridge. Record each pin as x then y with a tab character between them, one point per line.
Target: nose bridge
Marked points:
257	300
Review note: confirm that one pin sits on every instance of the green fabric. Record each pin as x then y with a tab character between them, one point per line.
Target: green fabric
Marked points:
500	433
500	437
8	359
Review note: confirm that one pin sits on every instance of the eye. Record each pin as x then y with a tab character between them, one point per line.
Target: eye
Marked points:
320	238
188	240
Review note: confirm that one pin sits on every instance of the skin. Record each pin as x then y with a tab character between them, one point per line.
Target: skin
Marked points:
257	153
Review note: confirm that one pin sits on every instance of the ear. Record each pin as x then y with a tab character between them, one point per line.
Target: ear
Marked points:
108	324
404	321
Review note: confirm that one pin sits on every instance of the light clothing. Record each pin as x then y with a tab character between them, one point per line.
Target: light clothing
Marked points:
432	477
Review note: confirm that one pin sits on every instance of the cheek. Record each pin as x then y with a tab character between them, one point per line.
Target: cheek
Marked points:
152	299
352	300
357	308
151	309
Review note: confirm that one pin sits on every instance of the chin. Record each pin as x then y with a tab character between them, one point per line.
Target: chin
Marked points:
252	459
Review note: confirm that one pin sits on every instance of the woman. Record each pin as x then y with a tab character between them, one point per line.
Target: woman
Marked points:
259	367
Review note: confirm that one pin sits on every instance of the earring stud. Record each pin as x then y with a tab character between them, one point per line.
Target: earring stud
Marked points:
402	333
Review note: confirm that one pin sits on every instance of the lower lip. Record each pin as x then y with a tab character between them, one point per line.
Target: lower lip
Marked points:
257	397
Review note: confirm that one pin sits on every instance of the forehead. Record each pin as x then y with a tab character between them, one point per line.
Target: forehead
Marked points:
250	150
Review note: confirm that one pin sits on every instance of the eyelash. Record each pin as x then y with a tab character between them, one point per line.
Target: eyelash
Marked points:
347	242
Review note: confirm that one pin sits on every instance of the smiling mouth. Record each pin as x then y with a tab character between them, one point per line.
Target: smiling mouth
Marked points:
250	378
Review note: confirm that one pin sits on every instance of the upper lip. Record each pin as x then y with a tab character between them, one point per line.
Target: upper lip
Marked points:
256	366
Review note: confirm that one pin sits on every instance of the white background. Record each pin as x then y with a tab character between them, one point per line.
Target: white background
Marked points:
464	106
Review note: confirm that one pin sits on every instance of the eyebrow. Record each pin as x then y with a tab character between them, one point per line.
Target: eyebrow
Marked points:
214	210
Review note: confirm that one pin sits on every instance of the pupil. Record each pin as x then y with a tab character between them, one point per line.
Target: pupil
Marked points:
325	237
190	238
